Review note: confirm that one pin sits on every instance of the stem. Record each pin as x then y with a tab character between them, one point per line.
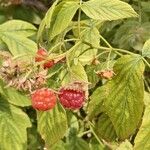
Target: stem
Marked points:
147	86
108	59
140	11
109	54
79	18
107	43
83	133
84	51
60	43
101	54
107	48
124	51
97	138
146	62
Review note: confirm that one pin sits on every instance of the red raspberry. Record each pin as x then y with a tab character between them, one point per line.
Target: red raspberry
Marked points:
43	99
71	97
49	64
41	55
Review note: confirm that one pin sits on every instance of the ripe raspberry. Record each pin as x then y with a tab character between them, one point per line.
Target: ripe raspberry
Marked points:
43	99
42	55
71	97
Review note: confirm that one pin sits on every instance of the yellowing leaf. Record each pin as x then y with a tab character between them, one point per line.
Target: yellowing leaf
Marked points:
108	9
124	104
142	140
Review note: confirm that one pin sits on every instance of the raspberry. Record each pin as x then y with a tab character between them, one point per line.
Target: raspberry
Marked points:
42	56
49	64
71	98
43	99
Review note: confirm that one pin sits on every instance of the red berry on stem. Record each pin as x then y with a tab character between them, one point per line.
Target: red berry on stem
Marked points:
43	99
49	64
42	55
71	98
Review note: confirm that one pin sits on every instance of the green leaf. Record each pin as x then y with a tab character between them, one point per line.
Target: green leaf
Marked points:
76	143
78	73
63	17
92	77
72	120
90	35
13	33
146	49
13	96
46	22
107	10
142	140
125	146
124	104
19	45
52	125
95	145
105	129
13	124
17	27
96	105
59	146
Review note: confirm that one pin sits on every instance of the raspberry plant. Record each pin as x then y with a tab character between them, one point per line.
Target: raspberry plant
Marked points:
76	79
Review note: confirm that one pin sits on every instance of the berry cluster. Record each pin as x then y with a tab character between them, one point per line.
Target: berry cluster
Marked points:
19	75
71	97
